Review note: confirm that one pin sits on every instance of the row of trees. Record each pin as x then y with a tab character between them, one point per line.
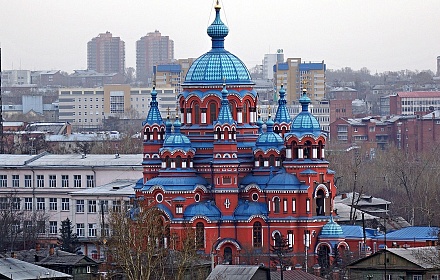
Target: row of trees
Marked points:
410	181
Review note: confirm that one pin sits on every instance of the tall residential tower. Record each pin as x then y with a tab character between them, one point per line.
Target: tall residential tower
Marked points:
152	50
106	54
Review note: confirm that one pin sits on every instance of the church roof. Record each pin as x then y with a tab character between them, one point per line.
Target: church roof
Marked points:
285	181
225	115
175	183
246	209
207	209
282	115
269	139
153	116
217	65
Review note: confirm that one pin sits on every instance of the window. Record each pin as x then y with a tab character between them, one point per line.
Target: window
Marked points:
15	226
4	204
80	230
41	227
434	277
276	205
77	181
92	230
15	203
41	203
284	205
65	181
53	204
53	227
104	205
90	181
257	235
15	181
200	235
116	206
27	225
92	206
80	206
27	181
28	203
308	205
417	277
293	205
179	209
3	181
290	238
40	181
65	204
52	181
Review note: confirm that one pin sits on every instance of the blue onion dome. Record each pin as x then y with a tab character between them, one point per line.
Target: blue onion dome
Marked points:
217	30
225	115
305	122
207	209
217	64
282	115
246	209
153	116
269	139
331	230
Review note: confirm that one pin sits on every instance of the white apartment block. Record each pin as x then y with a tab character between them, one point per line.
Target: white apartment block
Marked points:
88	107
69	186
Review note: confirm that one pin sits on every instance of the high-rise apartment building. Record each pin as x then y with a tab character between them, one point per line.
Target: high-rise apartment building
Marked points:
151	50
269	61
295	75
106	54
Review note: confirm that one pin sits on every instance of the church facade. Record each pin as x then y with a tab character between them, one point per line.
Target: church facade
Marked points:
241	183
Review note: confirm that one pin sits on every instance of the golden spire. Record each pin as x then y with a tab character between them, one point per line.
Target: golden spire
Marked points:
217	5
269	111
168	111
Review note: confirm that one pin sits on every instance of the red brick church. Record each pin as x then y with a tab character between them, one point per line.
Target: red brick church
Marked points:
241	183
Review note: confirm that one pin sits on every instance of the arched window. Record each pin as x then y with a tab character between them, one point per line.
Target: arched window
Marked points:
147	134
276	205
168	161
212	112
257	235
219	133
324	256
308	150
320	197
277	239
272	160
227	255
261	160
294	150
178	162
200	235
245	111
197	113
162	133
188	162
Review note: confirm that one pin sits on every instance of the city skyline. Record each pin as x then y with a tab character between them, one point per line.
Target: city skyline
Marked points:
379	35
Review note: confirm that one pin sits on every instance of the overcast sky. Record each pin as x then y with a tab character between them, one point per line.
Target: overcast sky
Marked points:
378	34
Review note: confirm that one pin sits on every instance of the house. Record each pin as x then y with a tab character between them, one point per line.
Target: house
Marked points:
398	263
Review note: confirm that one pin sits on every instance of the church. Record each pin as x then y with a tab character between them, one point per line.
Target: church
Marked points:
241	183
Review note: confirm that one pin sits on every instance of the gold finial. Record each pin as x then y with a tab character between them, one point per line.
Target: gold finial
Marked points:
168	111
270	114
217	5
304	82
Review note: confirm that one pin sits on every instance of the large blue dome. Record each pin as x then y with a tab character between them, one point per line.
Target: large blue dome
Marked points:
218	65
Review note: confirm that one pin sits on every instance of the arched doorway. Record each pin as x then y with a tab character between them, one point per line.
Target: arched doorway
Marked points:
227	255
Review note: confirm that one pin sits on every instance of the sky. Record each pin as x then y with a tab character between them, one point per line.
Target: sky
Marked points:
381	35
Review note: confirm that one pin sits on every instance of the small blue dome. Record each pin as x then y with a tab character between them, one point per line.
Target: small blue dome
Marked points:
269	139
176	140
305	122
331	230
207	209
285	181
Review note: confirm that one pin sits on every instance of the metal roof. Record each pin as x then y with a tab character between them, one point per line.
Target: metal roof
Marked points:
11	268
90	160
234	272
115	188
